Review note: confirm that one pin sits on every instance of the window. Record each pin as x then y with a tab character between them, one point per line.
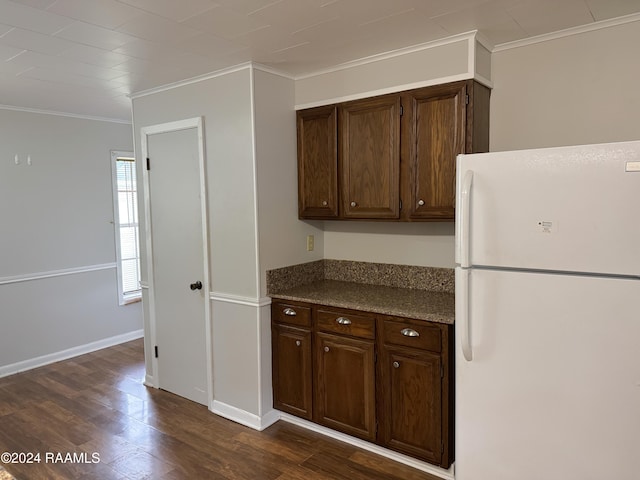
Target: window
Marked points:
125	202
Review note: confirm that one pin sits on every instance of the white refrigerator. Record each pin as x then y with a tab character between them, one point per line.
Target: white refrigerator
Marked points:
548	314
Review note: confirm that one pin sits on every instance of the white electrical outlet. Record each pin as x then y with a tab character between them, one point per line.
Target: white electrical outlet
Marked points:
310	243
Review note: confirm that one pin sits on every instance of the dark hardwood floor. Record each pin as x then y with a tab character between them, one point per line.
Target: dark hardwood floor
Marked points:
95	405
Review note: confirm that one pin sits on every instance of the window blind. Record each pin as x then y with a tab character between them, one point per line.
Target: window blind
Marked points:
127	225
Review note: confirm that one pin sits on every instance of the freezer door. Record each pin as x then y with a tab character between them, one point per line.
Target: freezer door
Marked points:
553	387
573	209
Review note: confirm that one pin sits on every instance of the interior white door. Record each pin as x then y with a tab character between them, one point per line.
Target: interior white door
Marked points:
179	286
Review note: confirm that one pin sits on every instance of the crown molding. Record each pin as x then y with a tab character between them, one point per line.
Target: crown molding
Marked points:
209	76
391	54
192	80
568	32
64	114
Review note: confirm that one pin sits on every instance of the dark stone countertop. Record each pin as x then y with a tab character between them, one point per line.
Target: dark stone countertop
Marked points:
402	302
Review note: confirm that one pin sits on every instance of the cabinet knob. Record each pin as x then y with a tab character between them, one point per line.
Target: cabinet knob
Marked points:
420	202
290	312
325	203
326	349
343	321
396	365
409	332
354	204
298	343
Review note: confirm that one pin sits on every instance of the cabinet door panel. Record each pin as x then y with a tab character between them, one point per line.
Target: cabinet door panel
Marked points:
345	397
292	371
370	157
412	420
317	163
436	135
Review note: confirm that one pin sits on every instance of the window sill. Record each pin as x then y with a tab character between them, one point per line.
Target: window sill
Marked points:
130	299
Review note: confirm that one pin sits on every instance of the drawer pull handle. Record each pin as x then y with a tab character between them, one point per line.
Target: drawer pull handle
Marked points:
396	365
298	343
326	349
409	332
290	312
343	321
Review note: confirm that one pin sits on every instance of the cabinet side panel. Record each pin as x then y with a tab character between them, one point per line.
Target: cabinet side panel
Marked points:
478	118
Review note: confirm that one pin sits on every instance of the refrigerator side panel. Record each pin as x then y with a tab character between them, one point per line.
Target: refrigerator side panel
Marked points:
553	388
563	209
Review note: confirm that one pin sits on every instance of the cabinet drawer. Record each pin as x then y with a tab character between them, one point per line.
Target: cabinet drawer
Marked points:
291	314
346	323
416	335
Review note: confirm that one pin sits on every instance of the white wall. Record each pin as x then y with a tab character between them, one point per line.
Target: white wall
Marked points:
423	244
225	103
250	152
574	90
448	59
57	216
283	238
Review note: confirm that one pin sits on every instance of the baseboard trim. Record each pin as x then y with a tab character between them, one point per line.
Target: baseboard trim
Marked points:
150	381
356	442
32	363
243	417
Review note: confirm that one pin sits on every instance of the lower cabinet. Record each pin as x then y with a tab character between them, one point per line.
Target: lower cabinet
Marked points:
345	385
383	379
292	373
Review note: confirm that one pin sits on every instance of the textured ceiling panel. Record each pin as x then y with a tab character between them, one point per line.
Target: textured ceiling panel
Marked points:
86	56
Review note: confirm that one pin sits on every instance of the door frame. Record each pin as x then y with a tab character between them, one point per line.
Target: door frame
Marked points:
197	123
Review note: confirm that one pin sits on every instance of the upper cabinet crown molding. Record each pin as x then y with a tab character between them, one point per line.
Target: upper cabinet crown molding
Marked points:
390	157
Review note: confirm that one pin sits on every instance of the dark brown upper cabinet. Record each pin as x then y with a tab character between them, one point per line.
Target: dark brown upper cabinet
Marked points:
439	123
317	162
369	160
390	157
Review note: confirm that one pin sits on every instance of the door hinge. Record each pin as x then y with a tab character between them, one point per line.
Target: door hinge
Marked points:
441	371
375	357
442	448
401	110
148	164
466	99
400	204
156	351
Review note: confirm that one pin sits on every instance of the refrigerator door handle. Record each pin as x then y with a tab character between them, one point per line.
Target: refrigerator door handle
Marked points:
462	312
465	219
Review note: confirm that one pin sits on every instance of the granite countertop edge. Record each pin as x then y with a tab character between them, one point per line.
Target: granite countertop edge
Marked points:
437	307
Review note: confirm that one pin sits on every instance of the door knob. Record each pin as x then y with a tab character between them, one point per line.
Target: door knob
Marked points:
196	286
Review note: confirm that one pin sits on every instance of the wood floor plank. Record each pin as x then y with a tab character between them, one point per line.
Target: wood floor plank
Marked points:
97	404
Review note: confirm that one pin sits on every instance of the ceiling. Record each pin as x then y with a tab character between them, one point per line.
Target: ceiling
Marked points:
86	56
